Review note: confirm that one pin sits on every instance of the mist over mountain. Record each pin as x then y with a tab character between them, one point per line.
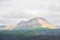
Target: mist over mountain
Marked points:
37	22
49	9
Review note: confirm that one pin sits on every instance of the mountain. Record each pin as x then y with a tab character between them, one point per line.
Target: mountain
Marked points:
37	22
33	27
42	22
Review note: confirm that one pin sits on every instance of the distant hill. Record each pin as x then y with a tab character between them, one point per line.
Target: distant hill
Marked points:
37	22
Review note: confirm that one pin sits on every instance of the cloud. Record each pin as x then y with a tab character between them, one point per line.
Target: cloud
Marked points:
38	7
49	9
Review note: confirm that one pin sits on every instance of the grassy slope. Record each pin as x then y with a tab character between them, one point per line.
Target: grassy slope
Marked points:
27	34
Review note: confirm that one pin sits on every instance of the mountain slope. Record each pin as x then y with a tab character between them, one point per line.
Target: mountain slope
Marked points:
37	22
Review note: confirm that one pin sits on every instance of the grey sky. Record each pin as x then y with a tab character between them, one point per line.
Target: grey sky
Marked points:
49	9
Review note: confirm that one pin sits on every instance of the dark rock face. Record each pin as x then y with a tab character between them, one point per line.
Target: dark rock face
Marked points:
28	24
34	22
22	25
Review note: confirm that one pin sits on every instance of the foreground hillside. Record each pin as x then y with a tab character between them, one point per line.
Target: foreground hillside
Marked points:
42	34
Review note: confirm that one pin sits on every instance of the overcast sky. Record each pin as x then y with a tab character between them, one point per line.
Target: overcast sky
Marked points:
49	9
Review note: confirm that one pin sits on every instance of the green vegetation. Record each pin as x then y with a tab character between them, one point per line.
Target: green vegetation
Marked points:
28	34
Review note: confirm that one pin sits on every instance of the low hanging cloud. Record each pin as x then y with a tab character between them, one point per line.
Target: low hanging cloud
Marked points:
49	9
27	8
